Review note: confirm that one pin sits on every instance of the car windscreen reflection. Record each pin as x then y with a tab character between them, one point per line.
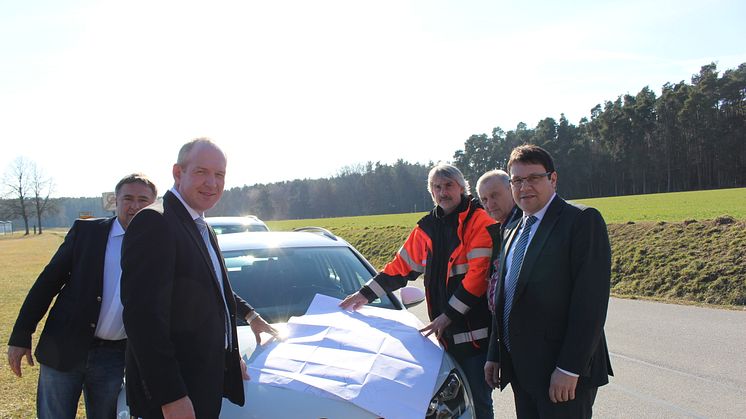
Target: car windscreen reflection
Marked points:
281	282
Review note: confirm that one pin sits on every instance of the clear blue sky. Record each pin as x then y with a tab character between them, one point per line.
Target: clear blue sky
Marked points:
93	90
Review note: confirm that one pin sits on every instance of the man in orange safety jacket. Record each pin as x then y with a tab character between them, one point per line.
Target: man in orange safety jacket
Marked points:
451	247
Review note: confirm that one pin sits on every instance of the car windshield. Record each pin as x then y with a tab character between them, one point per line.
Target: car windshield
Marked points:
281	282
238	228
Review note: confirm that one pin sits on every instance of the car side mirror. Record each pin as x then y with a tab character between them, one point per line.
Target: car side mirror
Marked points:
411	296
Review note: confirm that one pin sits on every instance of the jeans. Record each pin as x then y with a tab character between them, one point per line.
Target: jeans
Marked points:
99	377
473	368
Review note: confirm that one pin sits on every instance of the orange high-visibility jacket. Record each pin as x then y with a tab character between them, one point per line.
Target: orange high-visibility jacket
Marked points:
462	298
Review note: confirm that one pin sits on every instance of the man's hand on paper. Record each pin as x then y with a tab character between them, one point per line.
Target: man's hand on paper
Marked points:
437	326
353	302
259	325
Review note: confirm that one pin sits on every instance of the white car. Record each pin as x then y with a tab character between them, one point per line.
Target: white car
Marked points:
279	274
229	225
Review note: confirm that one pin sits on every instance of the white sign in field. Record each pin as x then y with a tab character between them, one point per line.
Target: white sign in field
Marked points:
109	201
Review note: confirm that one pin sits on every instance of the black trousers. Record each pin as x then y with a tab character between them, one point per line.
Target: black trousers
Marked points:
536	405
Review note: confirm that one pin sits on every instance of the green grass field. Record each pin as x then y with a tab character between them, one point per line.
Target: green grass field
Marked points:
671	207
379	236
21	259
668	207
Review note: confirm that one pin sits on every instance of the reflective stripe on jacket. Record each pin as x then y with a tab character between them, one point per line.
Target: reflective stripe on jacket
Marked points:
466	282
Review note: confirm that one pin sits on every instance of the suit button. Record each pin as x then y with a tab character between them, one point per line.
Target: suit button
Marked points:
98	298
93	325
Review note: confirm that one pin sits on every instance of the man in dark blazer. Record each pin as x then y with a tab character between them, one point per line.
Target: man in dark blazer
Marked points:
82	345
493	188
179	308
548	331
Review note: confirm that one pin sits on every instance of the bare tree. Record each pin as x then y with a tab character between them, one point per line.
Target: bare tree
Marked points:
16	182
41	187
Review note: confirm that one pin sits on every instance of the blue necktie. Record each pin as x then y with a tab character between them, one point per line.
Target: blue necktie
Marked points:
202	227
511	280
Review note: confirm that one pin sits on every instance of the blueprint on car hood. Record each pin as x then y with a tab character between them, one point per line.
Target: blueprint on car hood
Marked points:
375	358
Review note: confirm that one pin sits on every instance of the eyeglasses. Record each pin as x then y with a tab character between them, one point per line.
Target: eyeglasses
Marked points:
531	179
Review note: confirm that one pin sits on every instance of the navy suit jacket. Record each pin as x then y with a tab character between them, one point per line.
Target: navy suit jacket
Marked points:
559	307
75	274
175	317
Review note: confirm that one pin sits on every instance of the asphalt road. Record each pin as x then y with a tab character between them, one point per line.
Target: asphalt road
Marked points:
669	361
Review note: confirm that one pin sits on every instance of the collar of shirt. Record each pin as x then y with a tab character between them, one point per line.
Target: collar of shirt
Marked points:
540	213
189	209
116	229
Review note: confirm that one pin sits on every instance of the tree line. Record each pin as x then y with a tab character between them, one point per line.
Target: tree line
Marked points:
373	188
691	136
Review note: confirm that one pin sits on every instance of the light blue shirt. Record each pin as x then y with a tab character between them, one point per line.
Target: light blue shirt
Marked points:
110	325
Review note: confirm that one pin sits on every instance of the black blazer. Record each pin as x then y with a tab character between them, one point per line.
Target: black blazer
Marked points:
75	275
174	315
559	307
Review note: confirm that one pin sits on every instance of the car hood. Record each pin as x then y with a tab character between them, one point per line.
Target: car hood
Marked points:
272	394
273	401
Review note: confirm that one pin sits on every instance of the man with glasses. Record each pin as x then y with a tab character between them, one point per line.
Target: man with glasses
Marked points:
548	339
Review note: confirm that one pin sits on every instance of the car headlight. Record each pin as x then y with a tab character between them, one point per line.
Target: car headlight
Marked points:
451	400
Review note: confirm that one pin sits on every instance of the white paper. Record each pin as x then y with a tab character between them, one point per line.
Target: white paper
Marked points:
375	358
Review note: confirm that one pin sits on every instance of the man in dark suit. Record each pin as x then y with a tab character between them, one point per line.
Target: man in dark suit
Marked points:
548	339
82	345
179	308
493	188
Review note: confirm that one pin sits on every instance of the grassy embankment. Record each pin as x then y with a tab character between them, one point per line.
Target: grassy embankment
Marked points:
665	247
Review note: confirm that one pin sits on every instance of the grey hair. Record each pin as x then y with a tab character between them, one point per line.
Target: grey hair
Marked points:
449	172
498	174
